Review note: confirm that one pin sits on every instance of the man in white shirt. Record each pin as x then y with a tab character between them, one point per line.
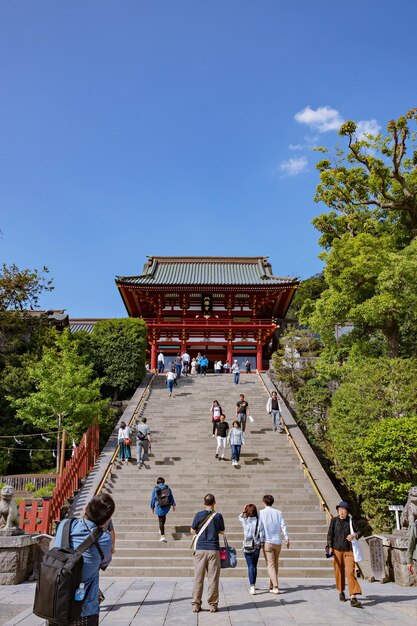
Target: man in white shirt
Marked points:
185	363
161	363
274	524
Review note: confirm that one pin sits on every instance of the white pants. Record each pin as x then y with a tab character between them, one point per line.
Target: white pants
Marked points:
221	446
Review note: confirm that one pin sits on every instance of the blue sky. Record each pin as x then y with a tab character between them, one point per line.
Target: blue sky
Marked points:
181	127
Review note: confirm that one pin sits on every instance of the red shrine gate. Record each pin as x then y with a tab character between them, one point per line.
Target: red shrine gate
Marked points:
224	307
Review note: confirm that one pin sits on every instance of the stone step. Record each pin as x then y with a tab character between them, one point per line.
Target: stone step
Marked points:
295	571
164	551
183	452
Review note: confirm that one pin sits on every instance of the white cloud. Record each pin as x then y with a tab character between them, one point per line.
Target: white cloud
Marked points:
369	127
293	167
296	146
322	119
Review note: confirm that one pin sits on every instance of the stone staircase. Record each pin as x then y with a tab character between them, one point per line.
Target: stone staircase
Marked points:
183	453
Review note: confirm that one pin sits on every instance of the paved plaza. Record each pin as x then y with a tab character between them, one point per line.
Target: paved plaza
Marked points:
167	601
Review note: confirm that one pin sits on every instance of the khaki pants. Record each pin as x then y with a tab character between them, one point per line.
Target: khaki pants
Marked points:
272	552
206	561
344	567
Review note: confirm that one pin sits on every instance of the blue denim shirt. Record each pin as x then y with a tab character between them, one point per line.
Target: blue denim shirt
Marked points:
161	510
80	530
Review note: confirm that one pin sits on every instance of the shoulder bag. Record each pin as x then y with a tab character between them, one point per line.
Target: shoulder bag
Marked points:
356	548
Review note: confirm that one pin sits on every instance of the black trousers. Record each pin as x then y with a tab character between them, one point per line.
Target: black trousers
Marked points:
162	519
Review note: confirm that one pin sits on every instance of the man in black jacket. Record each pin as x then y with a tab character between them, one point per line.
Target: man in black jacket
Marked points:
339	545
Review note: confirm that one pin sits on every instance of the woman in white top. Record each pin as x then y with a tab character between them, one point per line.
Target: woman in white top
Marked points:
253	539
193	367
124	443
216	411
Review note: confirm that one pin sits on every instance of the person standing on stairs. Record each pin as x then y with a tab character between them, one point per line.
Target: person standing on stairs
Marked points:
161	363
178	365
216	411
161	502
206	527
241	411
143	442
222	429
124	443
274	409
236	372
236	439
274	525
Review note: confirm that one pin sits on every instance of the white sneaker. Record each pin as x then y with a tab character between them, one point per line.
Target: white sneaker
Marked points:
162	538
275	590
252	590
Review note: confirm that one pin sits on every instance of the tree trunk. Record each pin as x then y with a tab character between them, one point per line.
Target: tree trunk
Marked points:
392	333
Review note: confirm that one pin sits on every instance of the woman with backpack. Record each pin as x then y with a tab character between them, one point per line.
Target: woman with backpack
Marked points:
253	539
161	502
236	438
216	411
124	443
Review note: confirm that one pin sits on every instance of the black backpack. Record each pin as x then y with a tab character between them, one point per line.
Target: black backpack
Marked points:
163	496
60	576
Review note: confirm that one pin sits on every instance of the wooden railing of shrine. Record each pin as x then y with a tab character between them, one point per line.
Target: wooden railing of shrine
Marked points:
38	516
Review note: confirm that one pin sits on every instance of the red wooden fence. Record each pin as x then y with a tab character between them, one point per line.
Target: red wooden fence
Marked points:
38	517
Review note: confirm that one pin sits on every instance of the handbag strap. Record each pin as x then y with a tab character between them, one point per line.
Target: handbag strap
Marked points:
226	545
202	529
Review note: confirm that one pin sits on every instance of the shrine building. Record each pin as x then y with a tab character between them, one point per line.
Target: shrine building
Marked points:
224	307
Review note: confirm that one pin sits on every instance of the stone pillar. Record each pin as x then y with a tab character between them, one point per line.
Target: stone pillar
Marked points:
259	356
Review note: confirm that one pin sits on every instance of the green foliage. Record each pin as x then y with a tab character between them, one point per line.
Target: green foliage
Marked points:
308	291
370	285
47	490
66	392
372	187
29	486
389	455
375	394
313	402
20	289
119	348
294	360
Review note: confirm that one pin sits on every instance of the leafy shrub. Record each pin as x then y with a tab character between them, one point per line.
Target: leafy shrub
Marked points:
45	491
29	486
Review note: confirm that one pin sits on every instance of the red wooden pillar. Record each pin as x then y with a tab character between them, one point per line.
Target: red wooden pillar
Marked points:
229	353
153	357
259	356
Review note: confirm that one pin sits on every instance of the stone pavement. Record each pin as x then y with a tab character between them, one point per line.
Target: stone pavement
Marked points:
167	601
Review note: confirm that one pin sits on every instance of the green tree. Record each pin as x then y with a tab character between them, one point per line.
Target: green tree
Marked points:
120	351
66	395
20	289
308	291
373	392
294	360
389	456
371	285
372	186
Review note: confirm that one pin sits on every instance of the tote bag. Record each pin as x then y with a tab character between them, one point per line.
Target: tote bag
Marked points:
228	556
356	548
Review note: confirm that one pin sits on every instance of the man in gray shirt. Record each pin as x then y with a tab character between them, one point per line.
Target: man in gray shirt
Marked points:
143	441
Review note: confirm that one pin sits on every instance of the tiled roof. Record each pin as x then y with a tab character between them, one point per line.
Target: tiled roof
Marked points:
83	324
206	271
